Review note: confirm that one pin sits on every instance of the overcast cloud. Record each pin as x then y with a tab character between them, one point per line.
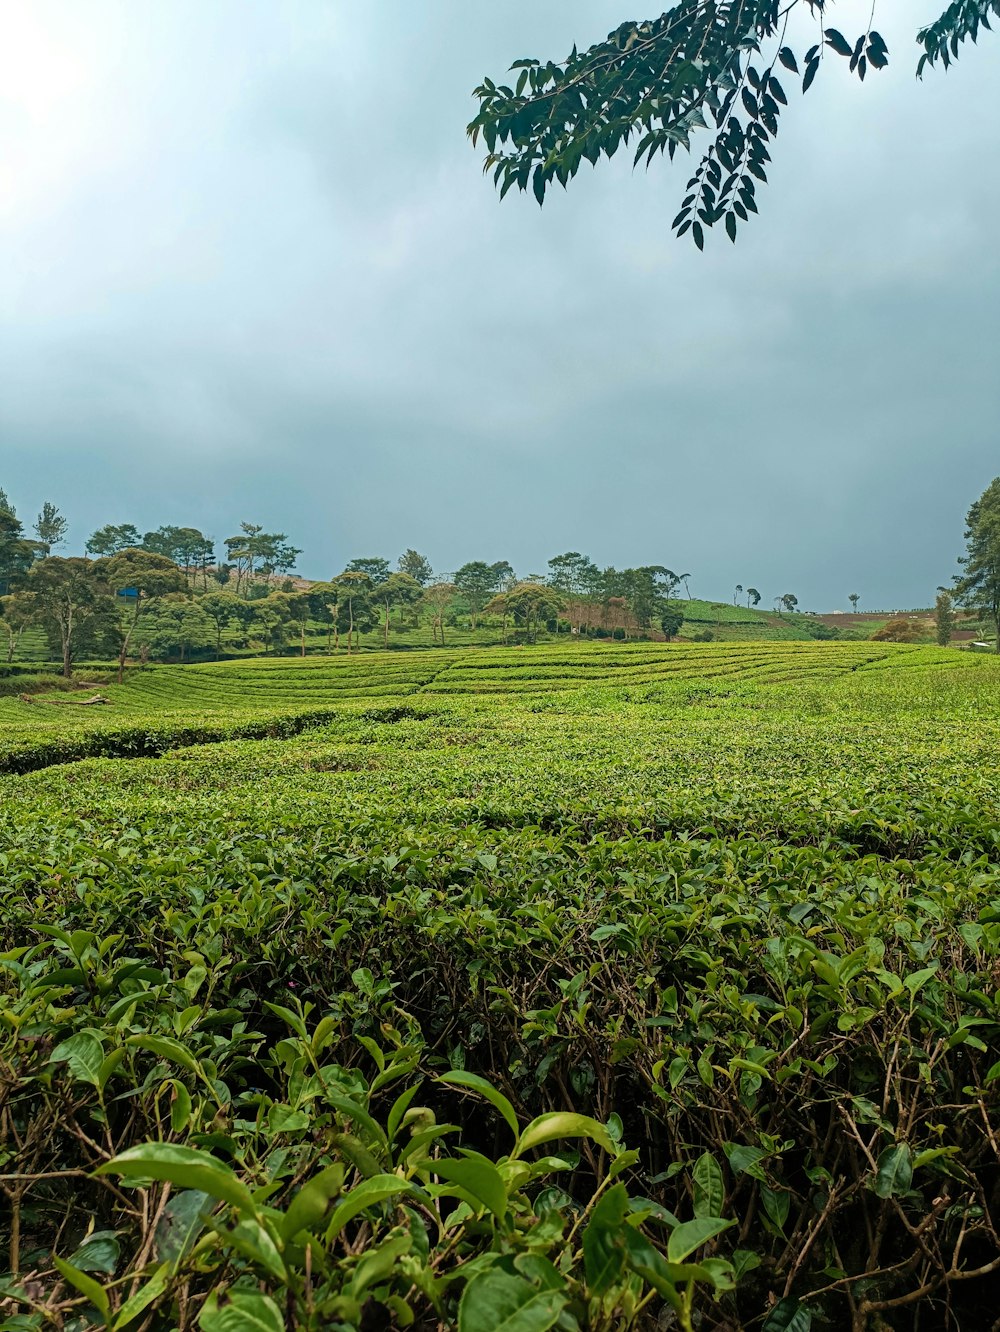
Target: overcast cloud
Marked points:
250	269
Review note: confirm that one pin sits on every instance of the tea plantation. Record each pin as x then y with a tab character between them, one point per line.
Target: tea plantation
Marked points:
587	987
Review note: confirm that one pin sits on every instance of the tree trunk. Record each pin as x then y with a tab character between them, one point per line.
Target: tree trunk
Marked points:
386	624
302	637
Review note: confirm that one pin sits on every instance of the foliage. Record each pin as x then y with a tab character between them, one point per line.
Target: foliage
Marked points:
72	600
416	565
900	629
944	619
659	81
284	1023
978	586
50	526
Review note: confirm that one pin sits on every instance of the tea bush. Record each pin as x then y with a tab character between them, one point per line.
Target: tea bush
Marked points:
587	988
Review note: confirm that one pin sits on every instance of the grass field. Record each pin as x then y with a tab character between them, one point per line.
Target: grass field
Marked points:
588	986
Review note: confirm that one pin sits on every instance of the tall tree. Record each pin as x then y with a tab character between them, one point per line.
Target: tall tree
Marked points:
754	596
373	567
399	589
789	601
416	565
112	538
17	613
70	598
477	581
978	586
50	526
944	618
737	593
222	608
438	598
528	604
854	598
141	578
17	552
355	590
257	556
186	546
658	82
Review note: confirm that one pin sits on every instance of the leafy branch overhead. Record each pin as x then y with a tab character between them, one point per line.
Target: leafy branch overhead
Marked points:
716	65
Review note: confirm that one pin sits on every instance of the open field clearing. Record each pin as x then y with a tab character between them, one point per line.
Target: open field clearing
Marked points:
591	987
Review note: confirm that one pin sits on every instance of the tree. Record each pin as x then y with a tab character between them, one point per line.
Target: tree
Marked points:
17	552
399	589
944	618
900	629
754	596
416	565
186	546
355	589
221	608
528	604
273	613
788	601
71	599
258	555
109	540
737	593
376	569
978	586
50	526
175	625
702	63
854	598
17	613
671	621
140	577
437	599
477	581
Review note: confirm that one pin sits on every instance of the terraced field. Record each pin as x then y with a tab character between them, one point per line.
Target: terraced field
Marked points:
238	697
588	987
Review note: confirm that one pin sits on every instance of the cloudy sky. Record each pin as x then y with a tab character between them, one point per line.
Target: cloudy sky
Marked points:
250	270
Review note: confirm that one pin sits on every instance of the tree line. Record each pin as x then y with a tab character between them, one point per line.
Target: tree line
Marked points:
164	593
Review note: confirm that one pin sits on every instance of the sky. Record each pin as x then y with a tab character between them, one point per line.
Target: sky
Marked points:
250	270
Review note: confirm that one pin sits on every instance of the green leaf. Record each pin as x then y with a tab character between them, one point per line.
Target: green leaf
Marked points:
87	1286
476	1175
367	1194
83	1054
310	1204
746	1161
249	1238
563	1124
709	1189
180	1106
691	1235
99	1252
185	1167
894	1171
603	1253
167	1048
497	1301
181	1222
245	1311
377	1263
143	1298
788	1315
485	1089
